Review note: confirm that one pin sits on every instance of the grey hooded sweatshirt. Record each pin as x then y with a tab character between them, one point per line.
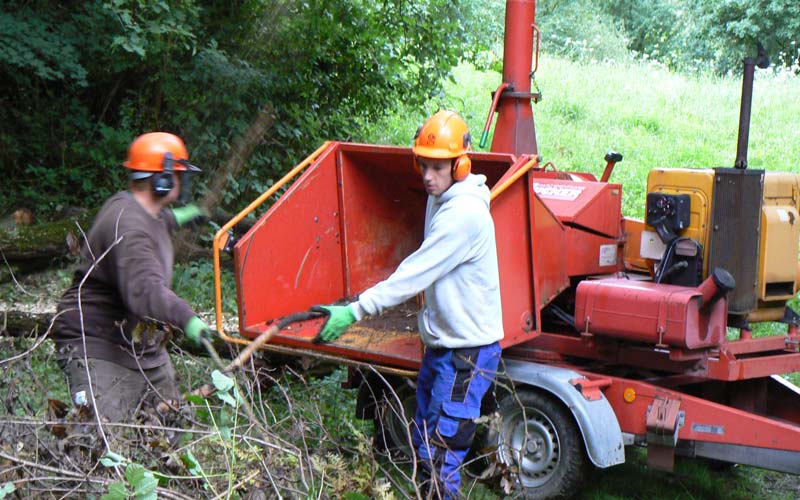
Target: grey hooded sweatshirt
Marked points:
456	267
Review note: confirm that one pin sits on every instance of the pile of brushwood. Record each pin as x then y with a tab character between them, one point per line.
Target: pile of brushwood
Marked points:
270	429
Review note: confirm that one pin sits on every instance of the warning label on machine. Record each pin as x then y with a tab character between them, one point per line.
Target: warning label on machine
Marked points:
608	255
557	191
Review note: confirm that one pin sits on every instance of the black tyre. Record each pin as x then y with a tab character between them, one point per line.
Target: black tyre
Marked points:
394	418
540	443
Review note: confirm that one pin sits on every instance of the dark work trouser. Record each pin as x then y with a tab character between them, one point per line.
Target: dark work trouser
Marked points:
450	387
118	391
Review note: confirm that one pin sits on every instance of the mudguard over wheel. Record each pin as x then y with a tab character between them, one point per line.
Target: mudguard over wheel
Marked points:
538	441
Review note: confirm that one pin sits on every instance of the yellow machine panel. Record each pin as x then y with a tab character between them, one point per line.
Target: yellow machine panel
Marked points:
780	233
632	252
699	185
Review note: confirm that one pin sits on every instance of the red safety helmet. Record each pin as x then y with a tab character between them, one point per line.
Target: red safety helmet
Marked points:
445	135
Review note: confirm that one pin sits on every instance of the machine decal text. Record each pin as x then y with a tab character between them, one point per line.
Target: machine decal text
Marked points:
709	429
557	191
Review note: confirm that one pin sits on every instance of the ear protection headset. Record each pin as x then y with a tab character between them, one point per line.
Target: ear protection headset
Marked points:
164	181
439	138
462	165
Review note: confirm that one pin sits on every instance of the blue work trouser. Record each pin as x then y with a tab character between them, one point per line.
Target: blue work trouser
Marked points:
450	387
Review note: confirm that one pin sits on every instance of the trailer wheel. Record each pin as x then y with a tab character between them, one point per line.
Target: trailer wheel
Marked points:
394	419
539	442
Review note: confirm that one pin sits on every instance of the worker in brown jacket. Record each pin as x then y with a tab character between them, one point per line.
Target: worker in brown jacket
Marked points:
115	320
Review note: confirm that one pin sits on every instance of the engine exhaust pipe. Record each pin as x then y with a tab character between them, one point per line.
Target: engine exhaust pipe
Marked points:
715	287
750	63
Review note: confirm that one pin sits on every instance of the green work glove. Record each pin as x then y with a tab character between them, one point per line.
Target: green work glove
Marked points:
197	329
339	318
188	214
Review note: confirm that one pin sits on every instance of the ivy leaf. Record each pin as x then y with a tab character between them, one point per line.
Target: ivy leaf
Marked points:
146	488
227	398
111	459
194	398
221	381
134	473
7	489
143	482
191	463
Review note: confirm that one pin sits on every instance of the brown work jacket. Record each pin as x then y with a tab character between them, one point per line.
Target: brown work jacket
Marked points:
126	305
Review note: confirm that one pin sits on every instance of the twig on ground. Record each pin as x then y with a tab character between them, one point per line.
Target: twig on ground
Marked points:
11	272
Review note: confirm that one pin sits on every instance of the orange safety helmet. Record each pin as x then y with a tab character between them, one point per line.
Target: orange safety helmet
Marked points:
445	135
148	152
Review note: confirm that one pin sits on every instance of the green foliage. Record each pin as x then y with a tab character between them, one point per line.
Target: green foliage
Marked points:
116	491
194	282
86	78
693	479
580	30
111	459
7	489
731	29
152	29
681	34
34	49
689	35
140	483
52	106
655	30
42	382
226	388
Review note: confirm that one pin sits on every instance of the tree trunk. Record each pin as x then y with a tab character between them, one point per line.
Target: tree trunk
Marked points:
45	240
20	323
240	153
186	241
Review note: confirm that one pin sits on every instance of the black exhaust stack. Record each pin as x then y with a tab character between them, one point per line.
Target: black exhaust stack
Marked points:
762	61
736	209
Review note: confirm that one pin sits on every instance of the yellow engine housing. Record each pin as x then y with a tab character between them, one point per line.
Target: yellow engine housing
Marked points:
777	267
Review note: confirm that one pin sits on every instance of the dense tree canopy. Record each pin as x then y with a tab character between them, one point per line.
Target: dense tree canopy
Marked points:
685	35
80	80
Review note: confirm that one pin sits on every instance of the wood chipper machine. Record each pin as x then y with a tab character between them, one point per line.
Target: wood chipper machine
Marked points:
618	332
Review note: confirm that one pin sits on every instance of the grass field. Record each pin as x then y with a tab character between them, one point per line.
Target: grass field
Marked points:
653	117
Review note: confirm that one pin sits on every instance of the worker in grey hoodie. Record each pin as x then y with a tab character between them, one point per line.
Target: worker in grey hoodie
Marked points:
461	320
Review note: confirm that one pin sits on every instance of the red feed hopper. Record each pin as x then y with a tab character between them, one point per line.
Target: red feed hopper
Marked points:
348	221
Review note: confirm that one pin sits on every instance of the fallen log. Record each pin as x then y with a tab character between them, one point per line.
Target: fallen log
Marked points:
31	248
37	245
28	322
16	323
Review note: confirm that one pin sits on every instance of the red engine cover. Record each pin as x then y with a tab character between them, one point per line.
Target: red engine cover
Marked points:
649	312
